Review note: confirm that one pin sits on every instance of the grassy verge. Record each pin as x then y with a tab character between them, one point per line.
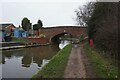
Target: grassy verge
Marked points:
14	39
55	68
102	65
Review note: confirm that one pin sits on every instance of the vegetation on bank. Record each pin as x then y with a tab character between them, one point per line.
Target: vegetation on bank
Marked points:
55	68
103	66
14	39
101	20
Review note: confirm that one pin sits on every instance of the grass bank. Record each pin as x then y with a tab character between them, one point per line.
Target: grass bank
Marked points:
103	66
14	39
55	68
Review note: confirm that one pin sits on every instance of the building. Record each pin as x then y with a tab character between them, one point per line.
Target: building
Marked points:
25	34
19	32
6	31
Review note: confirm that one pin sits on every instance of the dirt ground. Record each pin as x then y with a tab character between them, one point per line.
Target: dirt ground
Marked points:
79	65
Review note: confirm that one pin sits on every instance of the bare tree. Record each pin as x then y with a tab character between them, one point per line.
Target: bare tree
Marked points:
84	13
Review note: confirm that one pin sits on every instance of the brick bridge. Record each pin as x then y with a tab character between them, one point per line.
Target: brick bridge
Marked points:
53	33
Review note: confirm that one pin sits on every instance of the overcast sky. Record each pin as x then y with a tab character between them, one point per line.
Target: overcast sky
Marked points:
51	12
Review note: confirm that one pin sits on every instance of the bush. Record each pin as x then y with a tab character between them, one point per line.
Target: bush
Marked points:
42	36
81	38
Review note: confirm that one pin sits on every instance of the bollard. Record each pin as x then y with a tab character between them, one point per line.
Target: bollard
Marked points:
91	43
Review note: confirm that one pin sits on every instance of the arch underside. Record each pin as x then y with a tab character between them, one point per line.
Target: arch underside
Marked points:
55	39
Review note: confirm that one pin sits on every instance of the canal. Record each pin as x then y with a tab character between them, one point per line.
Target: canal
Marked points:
25	62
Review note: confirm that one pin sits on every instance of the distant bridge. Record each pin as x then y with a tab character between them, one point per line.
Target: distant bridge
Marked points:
53	33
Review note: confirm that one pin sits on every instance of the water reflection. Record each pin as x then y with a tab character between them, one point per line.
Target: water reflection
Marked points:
24	63
63	43
44	62
27	60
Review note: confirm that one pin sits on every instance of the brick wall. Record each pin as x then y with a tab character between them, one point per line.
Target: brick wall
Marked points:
38	40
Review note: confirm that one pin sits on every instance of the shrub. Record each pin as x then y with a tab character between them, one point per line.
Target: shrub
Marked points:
42	36
81	38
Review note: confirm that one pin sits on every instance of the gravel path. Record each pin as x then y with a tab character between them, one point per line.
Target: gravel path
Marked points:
78	65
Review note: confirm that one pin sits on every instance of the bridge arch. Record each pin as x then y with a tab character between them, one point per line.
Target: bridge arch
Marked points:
55	38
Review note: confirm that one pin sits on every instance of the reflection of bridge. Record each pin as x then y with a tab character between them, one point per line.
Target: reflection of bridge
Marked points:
53	33
73	40
69	39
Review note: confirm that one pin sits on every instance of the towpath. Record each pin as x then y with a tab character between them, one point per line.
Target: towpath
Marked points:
79	65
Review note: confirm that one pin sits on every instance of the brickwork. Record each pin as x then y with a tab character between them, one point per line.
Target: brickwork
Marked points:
38	40
53	31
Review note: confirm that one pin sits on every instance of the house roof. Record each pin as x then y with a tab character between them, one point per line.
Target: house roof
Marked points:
5	26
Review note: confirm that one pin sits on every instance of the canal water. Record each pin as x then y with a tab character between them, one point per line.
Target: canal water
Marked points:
25	62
